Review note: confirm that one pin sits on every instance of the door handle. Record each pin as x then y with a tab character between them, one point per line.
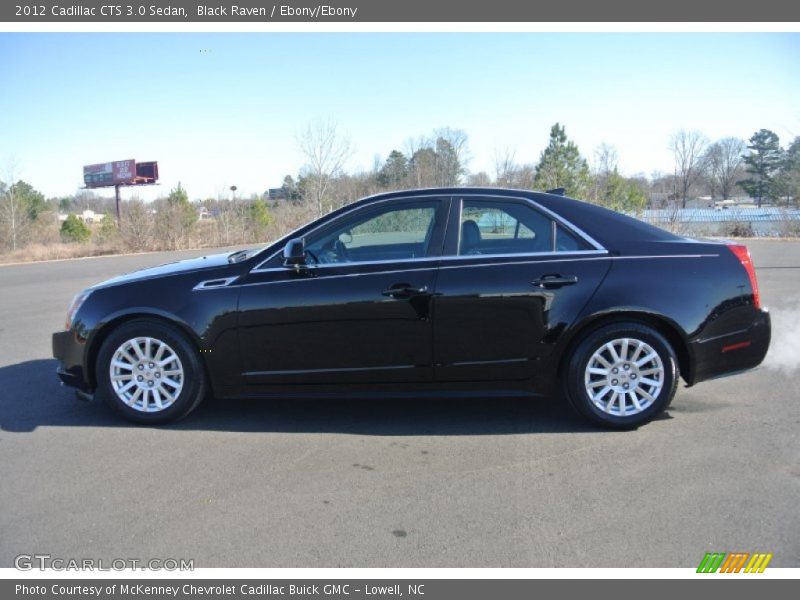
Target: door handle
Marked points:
554	281
404	291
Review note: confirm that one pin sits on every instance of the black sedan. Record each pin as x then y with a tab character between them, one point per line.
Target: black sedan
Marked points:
420	293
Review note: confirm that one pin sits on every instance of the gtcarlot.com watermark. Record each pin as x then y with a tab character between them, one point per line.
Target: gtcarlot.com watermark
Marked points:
46	562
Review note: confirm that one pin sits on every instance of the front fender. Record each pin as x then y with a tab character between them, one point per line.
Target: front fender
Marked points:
209	325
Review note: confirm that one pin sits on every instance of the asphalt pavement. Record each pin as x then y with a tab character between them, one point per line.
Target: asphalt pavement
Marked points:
377	483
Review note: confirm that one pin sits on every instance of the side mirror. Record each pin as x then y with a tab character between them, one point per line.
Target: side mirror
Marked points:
294	253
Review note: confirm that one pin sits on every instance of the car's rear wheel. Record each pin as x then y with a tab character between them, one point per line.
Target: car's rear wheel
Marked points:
150	372
621	375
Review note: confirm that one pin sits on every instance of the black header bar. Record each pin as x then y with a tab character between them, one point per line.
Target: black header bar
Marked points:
377	11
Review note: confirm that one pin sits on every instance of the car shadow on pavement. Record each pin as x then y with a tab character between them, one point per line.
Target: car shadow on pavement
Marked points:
33	397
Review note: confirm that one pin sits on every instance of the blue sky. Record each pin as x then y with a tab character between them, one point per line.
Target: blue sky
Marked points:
222	109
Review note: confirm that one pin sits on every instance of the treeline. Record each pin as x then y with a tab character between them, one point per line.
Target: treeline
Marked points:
760	168
170	223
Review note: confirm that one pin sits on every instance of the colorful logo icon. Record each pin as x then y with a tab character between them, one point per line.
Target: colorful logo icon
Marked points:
720	562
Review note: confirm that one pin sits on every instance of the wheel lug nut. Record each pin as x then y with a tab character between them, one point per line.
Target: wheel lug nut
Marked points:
614	382
139	378
141	367
615	370
158	375
151	365
633	376
150	383
627	367
625	385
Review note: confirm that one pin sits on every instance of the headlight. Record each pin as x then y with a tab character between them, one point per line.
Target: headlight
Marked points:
77	301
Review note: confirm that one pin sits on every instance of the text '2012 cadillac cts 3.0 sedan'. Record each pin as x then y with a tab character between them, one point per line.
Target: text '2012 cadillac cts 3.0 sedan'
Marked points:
426	292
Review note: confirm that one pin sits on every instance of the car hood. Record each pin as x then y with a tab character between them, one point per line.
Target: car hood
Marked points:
174	268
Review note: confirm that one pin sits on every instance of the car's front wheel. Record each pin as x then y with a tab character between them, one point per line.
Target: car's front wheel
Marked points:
621	375
150	372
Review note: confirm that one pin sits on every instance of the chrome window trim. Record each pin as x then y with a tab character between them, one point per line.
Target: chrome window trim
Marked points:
567	259
598	248
569	226
337	276
523	255
354	263
435	259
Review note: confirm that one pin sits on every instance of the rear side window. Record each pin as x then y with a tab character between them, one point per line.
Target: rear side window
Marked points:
567	241
500	227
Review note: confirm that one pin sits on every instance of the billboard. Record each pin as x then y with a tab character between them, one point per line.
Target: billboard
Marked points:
147	172
120	172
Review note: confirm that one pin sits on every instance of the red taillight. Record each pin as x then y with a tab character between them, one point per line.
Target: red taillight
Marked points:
743	254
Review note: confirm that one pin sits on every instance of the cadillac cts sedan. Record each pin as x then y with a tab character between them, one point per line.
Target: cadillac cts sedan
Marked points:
421	293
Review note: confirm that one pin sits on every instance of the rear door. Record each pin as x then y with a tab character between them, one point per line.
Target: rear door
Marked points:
512	279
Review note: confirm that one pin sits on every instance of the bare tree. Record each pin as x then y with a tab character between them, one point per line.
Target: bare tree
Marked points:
479	179
413	146
451	155
14	216
505	167
605	163
724	160
326	152
687	149
606	159
138	225
422	163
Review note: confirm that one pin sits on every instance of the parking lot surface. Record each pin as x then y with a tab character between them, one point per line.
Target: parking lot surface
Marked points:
377	483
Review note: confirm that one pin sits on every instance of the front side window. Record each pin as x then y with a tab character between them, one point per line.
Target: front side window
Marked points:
391	233
508	227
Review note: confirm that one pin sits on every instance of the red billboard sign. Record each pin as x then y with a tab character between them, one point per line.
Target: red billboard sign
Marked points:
120	172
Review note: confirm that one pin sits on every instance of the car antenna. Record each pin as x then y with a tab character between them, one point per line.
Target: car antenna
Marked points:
557	191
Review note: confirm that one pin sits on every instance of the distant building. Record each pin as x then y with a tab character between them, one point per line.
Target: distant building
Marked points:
89	216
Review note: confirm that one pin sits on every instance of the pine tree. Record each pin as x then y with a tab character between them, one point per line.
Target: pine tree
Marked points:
623	195
789	174
763	162
260	219
394	171
562	166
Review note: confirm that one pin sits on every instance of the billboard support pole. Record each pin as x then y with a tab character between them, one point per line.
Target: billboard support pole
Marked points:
119	218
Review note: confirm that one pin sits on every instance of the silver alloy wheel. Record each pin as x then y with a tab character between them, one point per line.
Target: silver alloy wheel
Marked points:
146	374
624	377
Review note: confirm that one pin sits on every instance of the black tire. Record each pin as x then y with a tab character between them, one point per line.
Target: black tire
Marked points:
575	388
194	380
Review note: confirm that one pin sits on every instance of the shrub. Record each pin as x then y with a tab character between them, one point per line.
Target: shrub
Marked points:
108	231
75	230
738	229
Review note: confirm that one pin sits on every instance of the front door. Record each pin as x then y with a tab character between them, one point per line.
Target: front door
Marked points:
359	312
